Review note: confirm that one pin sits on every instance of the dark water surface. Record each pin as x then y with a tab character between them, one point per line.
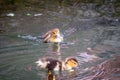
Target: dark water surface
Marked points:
93	40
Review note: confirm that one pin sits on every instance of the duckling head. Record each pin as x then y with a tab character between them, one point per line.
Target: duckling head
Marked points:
56	36
53	36
71	63
56	31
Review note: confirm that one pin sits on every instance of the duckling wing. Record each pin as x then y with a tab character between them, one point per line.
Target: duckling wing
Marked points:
46	34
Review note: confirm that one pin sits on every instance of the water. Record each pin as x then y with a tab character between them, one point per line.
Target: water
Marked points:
94	41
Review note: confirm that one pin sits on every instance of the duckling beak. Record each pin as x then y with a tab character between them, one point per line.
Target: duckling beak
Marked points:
59	36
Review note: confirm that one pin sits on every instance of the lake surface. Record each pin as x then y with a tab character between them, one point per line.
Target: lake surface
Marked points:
93	40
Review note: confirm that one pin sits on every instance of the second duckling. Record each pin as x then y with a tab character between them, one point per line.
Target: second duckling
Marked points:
57	65
53	35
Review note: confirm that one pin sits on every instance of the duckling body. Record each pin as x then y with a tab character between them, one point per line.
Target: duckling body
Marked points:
50	64
57	65
53	35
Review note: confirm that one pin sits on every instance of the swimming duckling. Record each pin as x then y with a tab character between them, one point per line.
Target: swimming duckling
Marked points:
53	35
57	65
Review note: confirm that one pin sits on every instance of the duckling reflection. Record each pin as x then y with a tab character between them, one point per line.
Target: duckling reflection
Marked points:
53	35
56	48
51	76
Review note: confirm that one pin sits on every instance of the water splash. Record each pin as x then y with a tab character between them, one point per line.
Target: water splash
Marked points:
30	37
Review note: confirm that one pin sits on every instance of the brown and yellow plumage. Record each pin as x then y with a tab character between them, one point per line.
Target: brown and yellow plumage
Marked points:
53	35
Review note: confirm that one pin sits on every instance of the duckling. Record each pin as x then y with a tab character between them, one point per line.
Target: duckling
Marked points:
57	65
53	35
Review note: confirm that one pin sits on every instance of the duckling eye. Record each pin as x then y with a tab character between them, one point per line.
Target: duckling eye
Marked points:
53	32
74	63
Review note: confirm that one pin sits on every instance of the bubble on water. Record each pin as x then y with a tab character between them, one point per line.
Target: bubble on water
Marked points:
11	14
39	14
